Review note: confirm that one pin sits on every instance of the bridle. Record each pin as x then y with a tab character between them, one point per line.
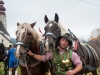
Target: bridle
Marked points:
26	46
22	43
52	34
49	33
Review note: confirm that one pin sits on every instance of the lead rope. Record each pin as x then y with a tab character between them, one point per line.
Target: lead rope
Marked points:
28	71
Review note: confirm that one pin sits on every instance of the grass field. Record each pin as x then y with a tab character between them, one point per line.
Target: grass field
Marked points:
2	70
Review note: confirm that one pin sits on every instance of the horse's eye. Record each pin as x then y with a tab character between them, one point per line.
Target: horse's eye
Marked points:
56	27
16	32
45	28
28	33
22	27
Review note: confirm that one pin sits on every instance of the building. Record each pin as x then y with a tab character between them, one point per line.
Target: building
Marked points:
4	35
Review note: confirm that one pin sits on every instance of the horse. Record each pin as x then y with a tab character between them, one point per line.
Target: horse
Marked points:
28	39
89	52
2	56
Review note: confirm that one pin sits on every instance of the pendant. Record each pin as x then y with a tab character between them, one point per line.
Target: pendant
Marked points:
66	62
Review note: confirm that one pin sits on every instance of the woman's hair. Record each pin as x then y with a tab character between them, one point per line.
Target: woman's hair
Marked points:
10	46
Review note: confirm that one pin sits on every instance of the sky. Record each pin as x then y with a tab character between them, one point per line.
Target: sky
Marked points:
80	16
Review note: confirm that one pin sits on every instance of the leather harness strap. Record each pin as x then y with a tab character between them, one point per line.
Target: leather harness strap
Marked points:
91	52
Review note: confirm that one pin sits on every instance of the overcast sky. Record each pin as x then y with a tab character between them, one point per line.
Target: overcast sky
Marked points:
80	16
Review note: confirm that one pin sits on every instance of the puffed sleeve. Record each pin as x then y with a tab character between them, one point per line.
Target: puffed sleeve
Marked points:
76	59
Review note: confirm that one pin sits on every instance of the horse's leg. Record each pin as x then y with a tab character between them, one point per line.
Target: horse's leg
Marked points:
94	72
5	67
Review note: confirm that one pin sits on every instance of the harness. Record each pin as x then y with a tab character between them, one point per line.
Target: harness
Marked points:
33	62
91	53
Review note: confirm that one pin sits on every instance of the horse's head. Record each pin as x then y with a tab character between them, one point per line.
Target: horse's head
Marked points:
24	36
52	31
2	48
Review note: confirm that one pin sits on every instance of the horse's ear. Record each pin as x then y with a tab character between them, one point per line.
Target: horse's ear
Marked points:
18	24
46	19
56	17
33	24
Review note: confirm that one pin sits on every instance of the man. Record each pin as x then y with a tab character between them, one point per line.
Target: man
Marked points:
6	63
63	57
13	61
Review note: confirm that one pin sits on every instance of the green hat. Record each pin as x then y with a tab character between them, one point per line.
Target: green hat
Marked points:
67	36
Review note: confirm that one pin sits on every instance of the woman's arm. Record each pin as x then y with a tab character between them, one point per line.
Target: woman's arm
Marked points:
44	58
38	57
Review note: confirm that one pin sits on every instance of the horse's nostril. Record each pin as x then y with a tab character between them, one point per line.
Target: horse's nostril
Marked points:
51	45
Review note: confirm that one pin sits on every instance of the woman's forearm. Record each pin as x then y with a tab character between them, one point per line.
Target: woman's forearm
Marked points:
38	57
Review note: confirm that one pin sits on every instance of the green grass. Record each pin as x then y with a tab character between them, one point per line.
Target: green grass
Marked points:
2	69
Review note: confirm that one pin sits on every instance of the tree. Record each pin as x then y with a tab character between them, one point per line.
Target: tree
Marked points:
95	34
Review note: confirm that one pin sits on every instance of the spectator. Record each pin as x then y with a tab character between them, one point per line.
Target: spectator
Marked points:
13	61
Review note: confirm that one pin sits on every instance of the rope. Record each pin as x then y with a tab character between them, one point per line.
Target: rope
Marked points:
28	71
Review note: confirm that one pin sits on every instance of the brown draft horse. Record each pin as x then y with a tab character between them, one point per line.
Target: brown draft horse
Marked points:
2	56
89	53
2	52
28	39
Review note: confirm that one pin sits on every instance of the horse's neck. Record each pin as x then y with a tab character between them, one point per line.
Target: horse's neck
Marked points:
1	51
34	47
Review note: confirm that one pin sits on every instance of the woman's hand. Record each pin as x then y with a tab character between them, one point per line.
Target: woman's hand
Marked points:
30	53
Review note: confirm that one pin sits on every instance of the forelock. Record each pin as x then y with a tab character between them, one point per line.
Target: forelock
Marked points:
34	33
63	30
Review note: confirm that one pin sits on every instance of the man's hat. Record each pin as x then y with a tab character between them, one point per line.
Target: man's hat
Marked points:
67	36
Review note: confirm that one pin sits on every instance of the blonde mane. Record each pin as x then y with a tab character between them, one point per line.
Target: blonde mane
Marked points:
34	33
63	31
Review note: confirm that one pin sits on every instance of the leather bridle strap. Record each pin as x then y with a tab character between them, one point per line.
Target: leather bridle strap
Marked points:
51	34
26	49
28	71
21	43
